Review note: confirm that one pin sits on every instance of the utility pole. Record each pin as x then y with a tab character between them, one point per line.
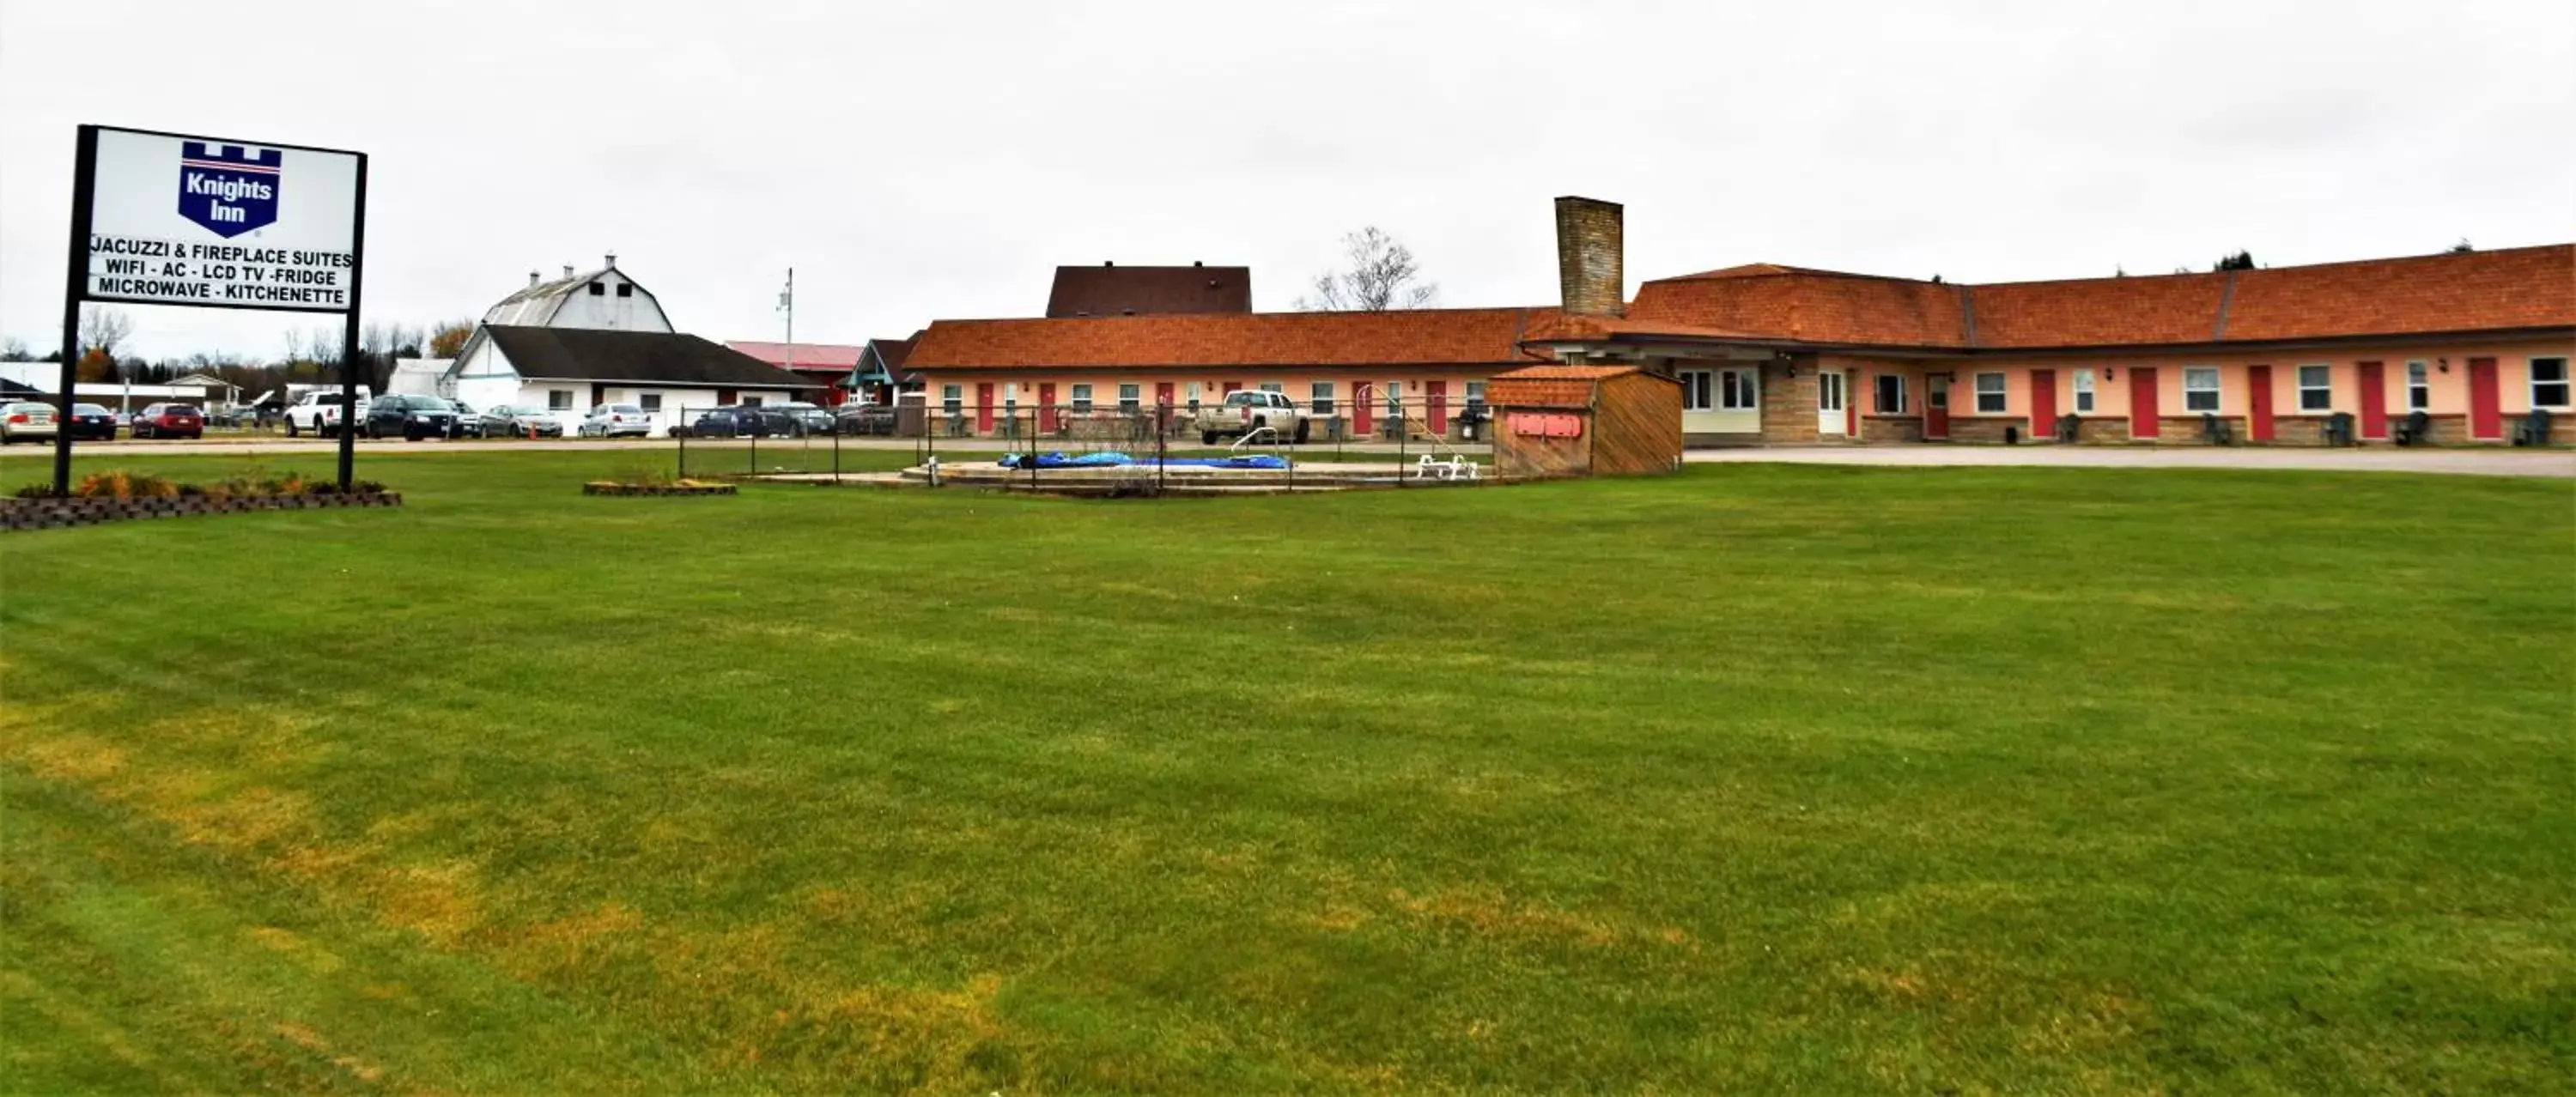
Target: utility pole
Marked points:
787	304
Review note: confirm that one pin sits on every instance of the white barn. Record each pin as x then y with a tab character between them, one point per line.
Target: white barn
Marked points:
599	337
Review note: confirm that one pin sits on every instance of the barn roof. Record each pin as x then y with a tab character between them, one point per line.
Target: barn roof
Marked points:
653	357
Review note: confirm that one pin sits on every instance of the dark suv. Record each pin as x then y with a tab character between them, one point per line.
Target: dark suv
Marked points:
412	417
743	422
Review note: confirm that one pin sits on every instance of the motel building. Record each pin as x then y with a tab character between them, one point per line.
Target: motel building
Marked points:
2461	346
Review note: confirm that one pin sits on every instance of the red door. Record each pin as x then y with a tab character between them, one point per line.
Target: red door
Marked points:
1046	407
2258	403
983	407
2043	403
2374	401
1435	395
2486	413
1360	400
2142	404
1936	408
1851	405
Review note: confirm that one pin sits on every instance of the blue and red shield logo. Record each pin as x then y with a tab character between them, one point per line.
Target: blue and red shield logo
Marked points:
229	189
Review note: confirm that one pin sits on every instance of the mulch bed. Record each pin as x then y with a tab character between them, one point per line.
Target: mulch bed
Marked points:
54	513
610	487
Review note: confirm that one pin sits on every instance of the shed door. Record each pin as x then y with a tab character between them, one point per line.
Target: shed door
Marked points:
2142	403
2486	414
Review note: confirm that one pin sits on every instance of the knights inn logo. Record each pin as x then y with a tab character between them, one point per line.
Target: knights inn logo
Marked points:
228	189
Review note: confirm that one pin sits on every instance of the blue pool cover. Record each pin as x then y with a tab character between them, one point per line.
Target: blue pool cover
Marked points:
1116	460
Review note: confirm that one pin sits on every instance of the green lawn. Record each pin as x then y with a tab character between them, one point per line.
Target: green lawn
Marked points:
1751	779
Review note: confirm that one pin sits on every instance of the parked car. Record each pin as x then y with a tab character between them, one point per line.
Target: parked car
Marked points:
1249	410
616	420
743	422
469	422
865	419
806	418
411	417
318	412
512	421
26	420
170	421
93	422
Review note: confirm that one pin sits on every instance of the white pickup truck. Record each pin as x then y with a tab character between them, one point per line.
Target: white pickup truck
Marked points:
1247	410
318	412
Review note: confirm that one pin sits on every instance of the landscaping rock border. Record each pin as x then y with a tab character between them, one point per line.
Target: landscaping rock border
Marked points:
58	513
610	487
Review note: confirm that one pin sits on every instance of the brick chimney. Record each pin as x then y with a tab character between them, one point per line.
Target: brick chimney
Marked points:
1587	256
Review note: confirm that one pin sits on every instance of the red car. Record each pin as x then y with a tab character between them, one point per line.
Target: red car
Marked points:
170	421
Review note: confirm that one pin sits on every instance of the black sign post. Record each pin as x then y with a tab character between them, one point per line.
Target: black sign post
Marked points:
230	187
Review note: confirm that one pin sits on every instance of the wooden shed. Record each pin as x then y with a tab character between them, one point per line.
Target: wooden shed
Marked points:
1575	420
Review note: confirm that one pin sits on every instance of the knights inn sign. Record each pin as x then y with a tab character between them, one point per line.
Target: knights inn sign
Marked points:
173	219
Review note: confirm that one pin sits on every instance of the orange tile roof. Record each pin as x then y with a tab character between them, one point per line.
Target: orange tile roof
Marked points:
1564	372
2513	288
1416	337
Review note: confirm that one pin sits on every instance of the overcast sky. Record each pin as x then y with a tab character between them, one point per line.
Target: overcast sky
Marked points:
938	160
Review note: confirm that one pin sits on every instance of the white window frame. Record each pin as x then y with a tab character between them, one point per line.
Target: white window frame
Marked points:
952	399
1739	390
2215	390
2566	384
2002	394
2326	402
2084	392
558	400
1280	387
1321	394
1194	393
1475	394
1833	390
1877	389
2419	385
1131	398
1698	388
1081	398
651	402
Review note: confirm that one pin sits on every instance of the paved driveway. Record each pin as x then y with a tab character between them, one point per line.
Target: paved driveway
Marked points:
2469	462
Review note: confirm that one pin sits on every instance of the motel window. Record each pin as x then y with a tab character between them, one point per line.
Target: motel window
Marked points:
2316	388
1323	393
2419	387
1475	394
558	400
1131	398
1696	389
652	401
1274	386
1010	401
1990	393
1395	399
2083	392
1888	398
1081	398
1194	397
952	399
2549	382
2200	388
1737	390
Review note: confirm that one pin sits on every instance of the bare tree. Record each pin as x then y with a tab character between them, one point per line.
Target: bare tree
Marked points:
103	327
15	350
1382	275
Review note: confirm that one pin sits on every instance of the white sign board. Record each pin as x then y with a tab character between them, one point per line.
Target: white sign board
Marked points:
177	220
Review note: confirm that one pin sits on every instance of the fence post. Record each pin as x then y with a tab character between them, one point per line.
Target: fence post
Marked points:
752	466
836	448
684	450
